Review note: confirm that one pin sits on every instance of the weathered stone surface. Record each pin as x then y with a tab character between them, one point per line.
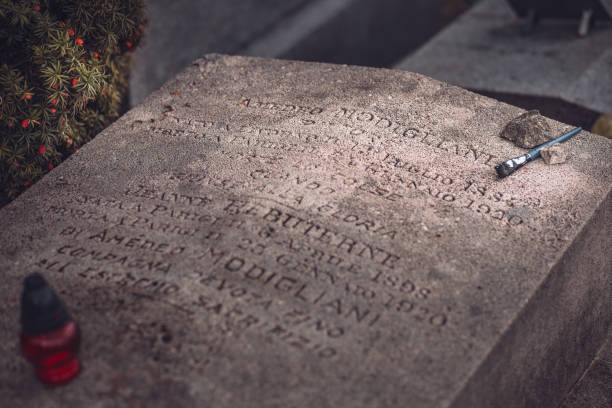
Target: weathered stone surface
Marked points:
594	389
555	154
528	130
273	233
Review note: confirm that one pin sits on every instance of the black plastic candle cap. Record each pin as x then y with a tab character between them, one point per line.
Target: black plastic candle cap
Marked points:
41	309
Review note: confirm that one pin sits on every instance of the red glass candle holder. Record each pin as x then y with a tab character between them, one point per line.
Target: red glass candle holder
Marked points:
49	337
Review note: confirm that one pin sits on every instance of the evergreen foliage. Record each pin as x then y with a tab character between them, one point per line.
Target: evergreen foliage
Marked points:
63	74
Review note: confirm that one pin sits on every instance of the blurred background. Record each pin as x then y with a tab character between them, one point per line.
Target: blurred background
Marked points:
551	55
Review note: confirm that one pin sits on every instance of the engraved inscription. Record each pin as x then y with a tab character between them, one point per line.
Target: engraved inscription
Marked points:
286	252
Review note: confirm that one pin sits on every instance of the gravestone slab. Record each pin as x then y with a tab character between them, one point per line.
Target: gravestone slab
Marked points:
594	389
273	233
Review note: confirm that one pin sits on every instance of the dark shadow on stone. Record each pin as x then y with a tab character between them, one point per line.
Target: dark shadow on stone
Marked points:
553	108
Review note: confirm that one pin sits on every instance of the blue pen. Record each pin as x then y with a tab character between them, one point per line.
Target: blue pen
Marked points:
510	166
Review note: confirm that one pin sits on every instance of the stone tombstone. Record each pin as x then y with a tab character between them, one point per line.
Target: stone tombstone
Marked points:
266	233
594	389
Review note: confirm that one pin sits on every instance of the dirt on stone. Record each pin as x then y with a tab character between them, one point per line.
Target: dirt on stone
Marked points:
555	154
528	130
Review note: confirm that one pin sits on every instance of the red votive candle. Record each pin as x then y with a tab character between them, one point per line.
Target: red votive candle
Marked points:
49	337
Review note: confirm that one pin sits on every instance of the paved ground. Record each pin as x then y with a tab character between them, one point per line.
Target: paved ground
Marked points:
567	77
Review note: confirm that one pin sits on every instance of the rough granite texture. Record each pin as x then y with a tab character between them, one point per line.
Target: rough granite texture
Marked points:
594	389
555	154
528	130
264	233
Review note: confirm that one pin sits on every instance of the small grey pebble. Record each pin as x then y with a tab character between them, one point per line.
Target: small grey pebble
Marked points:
555	154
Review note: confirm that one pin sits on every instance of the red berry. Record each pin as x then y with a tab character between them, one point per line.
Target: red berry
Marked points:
76	149
16	164
50	166
82	59
74	81
79	41
52	110
84	99
10	124
42	150
128	44
24	123
54	101
96	55
28	96
36	8
70	32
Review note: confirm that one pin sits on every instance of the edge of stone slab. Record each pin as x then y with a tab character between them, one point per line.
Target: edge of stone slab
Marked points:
559	283
594	388
216	57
